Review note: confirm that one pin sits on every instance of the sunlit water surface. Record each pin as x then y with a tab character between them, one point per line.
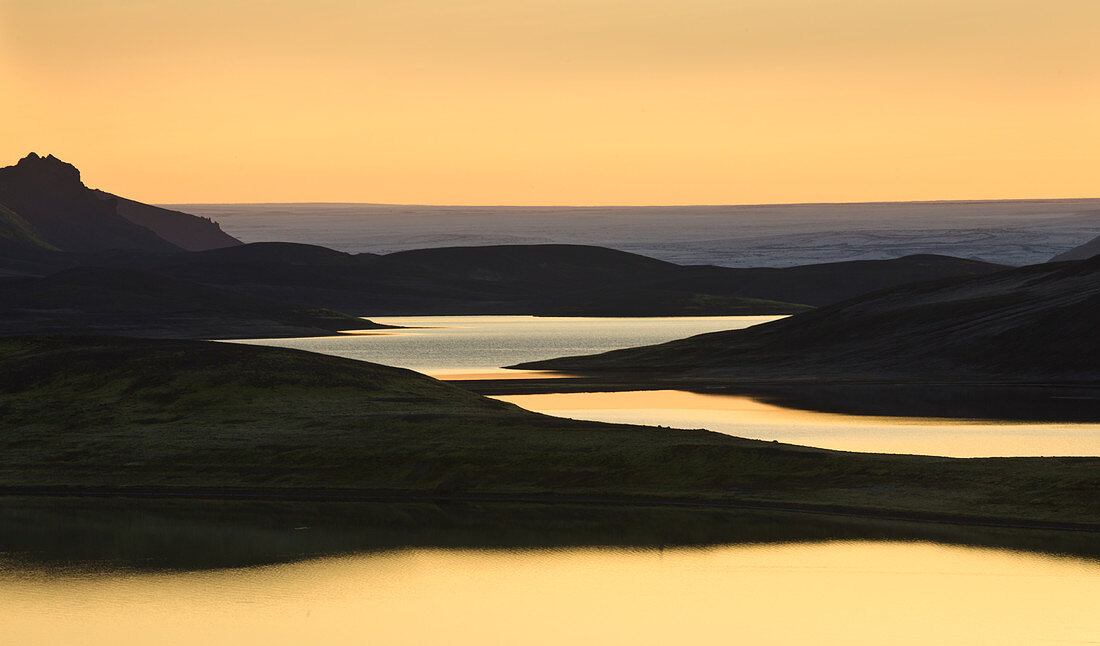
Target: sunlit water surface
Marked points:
818	593
468	347
749	417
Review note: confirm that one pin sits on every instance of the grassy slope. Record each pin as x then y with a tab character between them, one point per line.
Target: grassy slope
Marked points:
14	230
113	412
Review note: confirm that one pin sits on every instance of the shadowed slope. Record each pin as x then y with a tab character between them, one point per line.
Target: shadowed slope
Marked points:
123	301
568	280
1083	252
186	231
1034	323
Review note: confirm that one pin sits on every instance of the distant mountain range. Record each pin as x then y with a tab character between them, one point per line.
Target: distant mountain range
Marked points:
45	206
1011	232
132	268
1033	324
563	280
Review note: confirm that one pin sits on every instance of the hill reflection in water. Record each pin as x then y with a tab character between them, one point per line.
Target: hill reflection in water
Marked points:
91	534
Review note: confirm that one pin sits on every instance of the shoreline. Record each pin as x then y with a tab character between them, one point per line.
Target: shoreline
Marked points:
1006	402
267	494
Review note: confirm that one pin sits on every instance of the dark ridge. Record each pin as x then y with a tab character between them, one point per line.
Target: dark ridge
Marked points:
566	280
1035	323
139	303
186	231
536	264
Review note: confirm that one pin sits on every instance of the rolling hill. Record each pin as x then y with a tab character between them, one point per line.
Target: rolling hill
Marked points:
113	416
567	280
1032	324
136	303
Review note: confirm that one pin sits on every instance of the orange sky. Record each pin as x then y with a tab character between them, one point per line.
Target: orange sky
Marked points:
558	101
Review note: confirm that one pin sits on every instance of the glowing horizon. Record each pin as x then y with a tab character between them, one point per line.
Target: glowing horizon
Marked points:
558	102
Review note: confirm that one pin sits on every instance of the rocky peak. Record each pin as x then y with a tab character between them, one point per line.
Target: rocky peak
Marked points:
37	169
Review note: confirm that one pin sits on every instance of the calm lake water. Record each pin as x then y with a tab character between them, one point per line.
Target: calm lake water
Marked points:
750	417
478	347
457	347
844	593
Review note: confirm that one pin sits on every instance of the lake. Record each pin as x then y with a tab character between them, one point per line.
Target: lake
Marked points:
117	573
830	593
476	347
468	347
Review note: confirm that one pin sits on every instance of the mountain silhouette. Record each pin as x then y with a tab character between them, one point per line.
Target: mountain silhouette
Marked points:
54	209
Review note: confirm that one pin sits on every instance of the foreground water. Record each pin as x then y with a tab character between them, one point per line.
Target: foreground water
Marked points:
128	572
829	593
478	346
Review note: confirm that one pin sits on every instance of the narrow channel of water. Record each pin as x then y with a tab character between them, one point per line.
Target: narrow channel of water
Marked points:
466	347
751	417
473	347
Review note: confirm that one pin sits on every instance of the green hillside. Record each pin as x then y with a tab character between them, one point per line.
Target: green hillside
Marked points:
178	416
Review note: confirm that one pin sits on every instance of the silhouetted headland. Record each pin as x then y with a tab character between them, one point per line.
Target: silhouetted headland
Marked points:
1035	324
44	205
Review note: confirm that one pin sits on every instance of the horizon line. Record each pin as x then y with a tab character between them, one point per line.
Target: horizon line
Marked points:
633	206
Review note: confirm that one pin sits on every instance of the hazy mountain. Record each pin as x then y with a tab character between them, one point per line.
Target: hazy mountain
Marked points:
1083	252
1011	232
61	212
136	303
1035	323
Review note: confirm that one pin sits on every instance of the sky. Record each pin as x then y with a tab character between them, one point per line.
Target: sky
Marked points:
558	101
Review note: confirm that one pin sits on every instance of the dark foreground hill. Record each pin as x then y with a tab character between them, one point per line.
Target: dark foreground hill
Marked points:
566	280
1033	324
123	301
55	210
111	416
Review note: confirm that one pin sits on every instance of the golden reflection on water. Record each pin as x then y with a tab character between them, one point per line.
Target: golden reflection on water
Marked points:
495	375
745	416
825	593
